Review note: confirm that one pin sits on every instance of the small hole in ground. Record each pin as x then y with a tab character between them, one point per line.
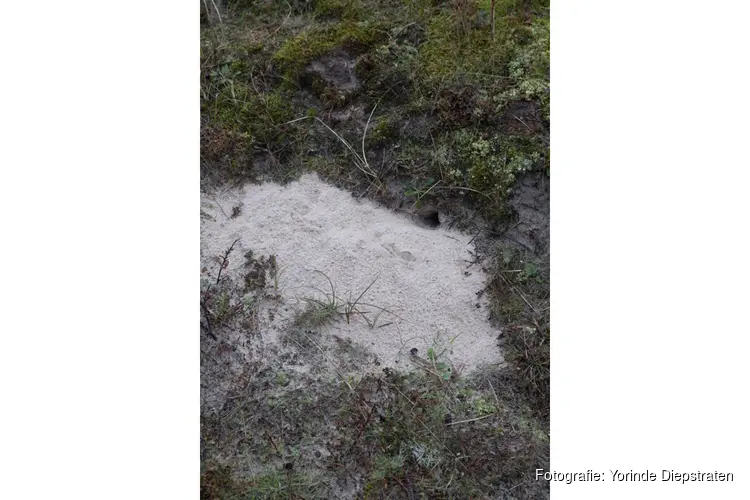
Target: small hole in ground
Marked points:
430	217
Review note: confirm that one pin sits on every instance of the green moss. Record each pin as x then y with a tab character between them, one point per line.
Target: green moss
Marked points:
385	466
484	406
315	42
529	66
492	164
257	116
282	379
383	130
341	9
451	54
511	65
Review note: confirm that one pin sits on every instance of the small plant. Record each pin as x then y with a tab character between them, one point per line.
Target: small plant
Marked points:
220	302
350	307
322	311
436	363
420	190
483	407
385	466
319	312
442	369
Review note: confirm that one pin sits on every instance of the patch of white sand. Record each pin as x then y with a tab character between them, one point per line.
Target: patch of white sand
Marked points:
423	276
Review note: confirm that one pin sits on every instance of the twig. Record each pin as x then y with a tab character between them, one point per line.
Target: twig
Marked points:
369	415
327	359
492	8
531	130
219	205
268	436
475	237
207	315
208	11
422	195
296	120
401	30
402	485
472	419
282	22
511	227
497	400
224	260
518	293
413	404
466	189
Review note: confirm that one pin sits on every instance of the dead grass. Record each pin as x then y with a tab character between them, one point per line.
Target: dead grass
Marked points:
519	293
389	436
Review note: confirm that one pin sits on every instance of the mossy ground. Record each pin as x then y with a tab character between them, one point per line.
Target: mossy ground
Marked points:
461	115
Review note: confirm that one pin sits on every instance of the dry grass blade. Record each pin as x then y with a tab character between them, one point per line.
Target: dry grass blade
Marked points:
322	352
217	11
322	311
360	161
471	419
423	194
364	134
330	282
351	307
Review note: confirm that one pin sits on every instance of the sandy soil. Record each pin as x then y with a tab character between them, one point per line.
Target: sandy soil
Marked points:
423	276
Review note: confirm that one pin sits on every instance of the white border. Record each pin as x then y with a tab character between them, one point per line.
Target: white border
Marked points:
100	157
99	361
649	243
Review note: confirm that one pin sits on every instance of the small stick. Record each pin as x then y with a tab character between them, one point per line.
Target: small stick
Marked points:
327	359
296	120
208	12
494	393
465	189
207	315
225	259
219	205
422	195
274	444
492	7
472	419
519	293
475	236
531	130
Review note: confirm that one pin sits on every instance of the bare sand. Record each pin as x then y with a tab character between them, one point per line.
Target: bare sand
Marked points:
424	277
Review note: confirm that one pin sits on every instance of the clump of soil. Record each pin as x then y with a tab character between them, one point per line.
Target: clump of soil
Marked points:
336	69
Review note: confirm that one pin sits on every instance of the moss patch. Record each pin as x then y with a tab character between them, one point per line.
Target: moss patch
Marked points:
318	40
